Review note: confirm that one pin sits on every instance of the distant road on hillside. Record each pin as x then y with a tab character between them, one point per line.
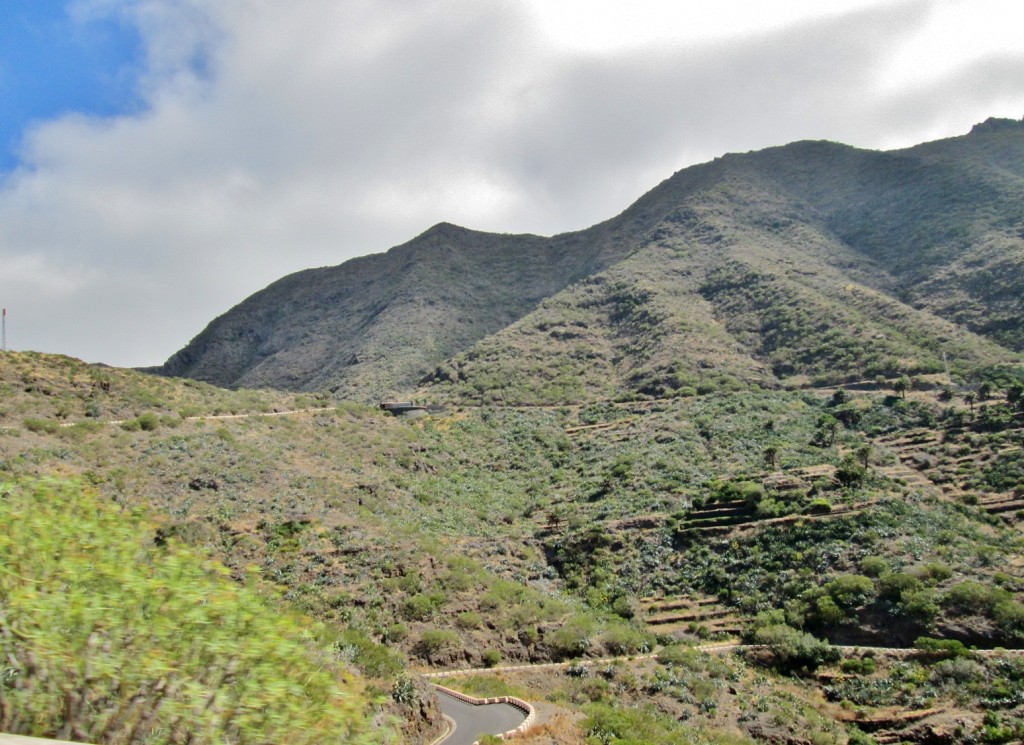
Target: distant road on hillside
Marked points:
473	722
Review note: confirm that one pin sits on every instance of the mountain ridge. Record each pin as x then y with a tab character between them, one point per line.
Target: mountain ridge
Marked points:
919	250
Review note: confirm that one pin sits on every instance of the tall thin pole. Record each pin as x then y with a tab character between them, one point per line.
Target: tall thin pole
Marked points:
3	335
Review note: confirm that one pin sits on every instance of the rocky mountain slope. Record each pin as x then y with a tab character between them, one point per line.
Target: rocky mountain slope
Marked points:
812	261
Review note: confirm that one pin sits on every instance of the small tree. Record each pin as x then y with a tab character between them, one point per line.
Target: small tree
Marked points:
850	473
901	385
969	398
827	427
771	456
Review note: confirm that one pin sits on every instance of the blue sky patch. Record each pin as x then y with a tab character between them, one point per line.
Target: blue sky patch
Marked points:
51	64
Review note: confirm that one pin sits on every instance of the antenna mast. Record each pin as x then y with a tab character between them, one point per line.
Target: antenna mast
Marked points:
3	334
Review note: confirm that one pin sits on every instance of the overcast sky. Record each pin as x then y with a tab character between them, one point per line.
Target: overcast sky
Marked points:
160	160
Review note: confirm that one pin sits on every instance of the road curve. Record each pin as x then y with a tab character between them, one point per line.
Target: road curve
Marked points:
475	721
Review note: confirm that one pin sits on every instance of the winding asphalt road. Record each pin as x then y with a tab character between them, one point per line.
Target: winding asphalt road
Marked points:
473	722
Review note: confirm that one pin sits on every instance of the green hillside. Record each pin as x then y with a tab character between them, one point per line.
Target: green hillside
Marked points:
898	257
503	535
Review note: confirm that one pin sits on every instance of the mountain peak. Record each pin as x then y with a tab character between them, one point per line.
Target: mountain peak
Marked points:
993	124
445	229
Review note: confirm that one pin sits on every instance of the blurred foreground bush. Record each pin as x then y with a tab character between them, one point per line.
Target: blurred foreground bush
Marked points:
105	638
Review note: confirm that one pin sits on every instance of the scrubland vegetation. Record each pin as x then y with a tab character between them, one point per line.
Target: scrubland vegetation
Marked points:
481	537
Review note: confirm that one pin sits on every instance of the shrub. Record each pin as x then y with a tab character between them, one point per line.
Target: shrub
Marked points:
623	607
80	576
376	660
795	650
859	737
769	508
422	607
933	572
491	657
395	633
1009	614
970	598
893	585
874	566
861	666
433	641
944	648
851	590
957	670
620	640
469	620
573	639
749	491
818	506
827	612
47	426
921	606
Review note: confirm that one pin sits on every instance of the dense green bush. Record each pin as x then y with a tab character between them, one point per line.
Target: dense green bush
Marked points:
620	640
851	591
973	598
944	648
893	585
920	606
859	666
794	650
573	639
103	634
874	566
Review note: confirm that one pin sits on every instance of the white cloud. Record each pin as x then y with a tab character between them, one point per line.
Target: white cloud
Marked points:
598	26
277	136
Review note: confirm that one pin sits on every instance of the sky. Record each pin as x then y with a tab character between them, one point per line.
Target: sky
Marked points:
161	160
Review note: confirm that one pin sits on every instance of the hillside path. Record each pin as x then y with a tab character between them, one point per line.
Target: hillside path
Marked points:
215	417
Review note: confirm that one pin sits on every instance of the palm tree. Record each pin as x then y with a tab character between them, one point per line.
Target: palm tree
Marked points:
828	425
901	386
969	398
